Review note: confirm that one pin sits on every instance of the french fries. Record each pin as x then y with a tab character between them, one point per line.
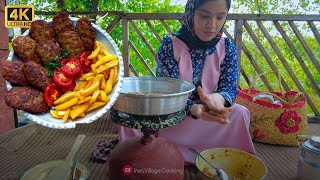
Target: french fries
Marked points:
92	90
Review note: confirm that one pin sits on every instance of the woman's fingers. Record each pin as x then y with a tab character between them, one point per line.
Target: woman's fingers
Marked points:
223	115
206	100
201	93
203	112
218	114
210	117
224	110
211	101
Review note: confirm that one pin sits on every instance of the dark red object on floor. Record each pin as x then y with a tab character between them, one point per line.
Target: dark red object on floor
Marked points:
147	157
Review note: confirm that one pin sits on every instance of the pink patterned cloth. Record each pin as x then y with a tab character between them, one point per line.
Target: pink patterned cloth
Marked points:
197	133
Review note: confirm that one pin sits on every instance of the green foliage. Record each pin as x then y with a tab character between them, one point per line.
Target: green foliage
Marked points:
154	6
276	6
242	6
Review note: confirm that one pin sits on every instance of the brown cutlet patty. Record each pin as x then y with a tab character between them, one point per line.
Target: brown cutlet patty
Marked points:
26	98
25	48
12	71
86	33
61	23
40	30
71	41
37	75
48	50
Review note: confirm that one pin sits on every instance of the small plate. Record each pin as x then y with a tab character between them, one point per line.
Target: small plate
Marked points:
47	120
41	171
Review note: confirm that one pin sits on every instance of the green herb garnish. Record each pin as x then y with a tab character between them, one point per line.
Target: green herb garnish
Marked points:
65	53
51	65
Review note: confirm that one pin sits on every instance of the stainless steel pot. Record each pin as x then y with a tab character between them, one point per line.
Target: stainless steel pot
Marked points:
150	96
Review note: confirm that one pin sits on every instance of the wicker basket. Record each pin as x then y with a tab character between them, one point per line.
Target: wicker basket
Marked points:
278	123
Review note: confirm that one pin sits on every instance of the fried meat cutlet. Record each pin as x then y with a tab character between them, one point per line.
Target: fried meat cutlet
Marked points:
37	75
25	48
12	71
86	33
48	50
61	23
26	98
71	41
40	30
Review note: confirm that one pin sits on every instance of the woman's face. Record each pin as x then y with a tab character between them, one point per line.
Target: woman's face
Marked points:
209	19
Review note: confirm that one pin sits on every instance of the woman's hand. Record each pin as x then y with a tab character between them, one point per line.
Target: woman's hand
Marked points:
212	109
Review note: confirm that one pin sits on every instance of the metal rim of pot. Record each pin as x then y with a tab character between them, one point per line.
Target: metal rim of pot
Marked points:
174	98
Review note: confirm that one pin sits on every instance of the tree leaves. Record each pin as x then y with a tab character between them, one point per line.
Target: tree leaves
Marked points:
276	6
240	6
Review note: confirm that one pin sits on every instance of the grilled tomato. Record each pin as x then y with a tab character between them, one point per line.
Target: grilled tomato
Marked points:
51	93
69	88
61	79
71	66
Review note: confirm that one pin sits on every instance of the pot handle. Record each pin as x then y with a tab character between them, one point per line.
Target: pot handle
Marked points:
302	138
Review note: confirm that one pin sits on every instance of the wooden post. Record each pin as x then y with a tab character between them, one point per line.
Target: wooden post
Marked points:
238	37
7	120
95	9
238	43
125	47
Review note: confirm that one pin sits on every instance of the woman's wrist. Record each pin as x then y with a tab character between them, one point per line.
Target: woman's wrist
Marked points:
222	99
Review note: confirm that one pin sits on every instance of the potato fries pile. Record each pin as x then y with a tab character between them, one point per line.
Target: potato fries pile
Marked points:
92	90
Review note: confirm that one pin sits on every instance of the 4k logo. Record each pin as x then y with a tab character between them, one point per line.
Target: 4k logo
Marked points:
19	16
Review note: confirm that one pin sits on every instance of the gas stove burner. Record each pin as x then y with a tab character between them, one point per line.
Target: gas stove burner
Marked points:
146	122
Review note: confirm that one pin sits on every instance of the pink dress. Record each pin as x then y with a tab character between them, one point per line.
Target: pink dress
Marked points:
197	133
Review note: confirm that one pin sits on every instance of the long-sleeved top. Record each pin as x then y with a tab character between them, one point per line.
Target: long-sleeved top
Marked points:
227	86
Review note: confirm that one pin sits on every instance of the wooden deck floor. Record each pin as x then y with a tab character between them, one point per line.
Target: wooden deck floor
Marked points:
33	144
281	161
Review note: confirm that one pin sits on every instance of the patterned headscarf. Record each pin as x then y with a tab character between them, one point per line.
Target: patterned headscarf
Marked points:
185	32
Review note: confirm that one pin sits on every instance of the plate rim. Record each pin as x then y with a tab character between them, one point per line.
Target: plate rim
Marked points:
98	114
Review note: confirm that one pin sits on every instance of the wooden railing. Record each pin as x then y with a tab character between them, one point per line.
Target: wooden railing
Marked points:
255	37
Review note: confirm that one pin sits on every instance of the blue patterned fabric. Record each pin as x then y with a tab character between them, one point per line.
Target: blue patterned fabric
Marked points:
227	86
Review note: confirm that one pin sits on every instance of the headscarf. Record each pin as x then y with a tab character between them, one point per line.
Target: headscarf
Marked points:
185	32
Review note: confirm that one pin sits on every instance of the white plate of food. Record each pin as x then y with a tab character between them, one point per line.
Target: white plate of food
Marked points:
46	118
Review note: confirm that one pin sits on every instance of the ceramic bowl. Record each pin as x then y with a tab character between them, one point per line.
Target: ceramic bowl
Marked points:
237	164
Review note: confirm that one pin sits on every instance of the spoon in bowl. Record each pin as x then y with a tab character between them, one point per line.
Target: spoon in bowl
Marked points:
220	172
63	170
